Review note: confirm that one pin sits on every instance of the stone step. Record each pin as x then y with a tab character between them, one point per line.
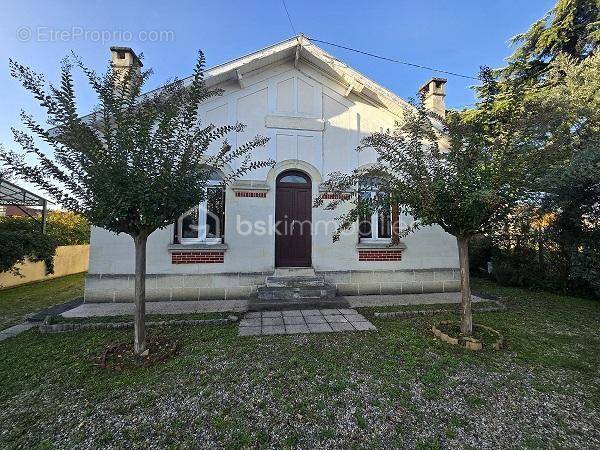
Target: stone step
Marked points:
294	272
303	292
299	282
291	304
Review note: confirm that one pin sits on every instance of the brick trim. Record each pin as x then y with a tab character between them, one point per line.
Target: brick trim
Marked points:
380	255
198	257
250	194
332	196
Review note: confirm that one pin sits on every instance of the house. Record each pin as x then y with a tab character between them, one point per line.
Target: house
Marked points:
315	110
18	211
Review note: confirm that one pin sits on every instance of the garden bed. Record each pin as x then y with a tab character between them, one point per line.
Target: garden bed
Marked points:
120	356
482	337
407	311
64	326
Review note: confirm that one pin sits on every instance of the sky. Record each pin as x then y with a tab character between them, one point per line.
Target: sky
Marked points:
453	35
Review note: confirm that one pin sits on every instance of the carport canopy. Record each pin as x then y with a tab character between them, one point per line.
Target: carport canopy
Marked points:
13	195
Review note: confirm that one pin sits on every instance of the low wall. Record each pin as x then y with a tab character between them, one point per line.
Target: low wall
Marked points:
239	285
69	259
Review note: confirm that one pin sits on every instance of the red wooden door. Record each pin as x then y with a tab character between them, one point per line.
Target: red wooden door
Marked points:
293	216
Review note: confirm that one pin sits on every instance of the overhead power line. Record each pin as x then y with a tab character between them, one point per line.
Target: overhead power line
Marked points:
373	55
288	16
397	61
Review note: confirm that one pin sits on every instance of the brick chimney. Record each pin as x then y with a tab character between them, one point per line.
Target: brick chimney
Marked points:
122	58
434	93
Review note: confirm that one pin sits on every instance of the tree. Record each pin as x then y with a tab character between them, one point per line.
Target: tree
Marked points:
568	100
552	60
466	188
136	164
571	27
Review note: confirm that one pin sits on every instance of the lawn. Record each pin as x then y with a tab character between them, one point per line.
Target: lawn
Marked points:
18	301
394	387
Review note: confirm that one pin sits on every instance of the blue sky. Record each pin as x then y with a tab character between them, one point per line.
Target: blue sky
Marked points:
454	35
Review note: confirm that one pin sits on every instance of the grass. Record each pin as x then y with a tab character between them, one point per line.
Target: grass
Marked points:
397	387
18	301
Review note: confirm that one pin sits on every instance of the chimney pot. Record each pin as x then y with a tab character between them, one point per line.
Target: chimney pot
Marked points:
122	60
434	93
124	57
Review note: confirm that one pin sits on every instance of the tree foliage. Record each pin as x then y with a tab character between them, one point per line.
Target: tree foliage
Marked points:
570	105
17	246
21	238
63	227
488	167
571	27
135	164
558	59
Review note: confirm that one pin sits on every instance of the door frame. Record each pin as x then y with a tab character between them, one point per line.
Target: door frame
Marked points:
300	187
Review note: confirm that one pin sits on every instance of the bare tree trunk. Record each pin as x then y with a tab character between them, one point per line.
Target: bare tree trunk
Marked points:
139	315
466	315
395	224
541	259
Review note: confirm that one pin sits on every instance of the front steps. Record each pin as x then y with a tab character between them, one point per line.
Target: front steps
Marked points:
295	289
294	272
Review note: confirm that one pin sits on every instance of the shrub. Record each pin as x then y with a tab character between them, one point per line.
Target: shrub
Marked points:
21	238
64	227
16	246
521	262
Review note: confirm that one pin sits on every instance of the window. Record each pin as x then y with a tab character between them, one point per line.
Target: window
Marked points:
376	226
204	223
294	177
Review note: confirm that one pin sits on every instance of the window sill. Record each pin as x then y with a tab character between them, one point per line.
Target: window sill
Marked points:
383	245
249	185
218	247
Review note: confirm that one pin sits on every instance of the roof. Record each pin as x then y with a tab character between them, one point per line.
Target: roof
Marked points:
11	194
20	211
302	49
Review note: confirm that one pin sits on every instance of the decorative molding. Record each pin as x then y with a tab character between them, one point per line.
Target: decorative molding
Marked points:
334	196
289	164
294	123
297	55
240	78
261	194
249	185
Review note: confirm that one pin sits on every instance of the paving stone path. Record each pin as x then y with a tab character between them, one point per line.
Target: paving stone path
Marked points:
303	321
16	329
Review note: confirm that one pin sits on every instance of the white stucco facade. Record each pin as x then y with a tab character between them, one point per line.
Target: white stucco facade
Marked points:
315	112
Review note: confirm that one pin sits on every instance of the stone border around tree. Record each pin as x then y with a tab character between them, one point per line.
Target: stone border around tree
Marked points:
66	327
468	342
432	312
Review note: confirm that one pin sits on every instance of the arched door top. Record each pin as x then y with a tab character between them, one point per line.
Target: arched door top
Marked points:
290	177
